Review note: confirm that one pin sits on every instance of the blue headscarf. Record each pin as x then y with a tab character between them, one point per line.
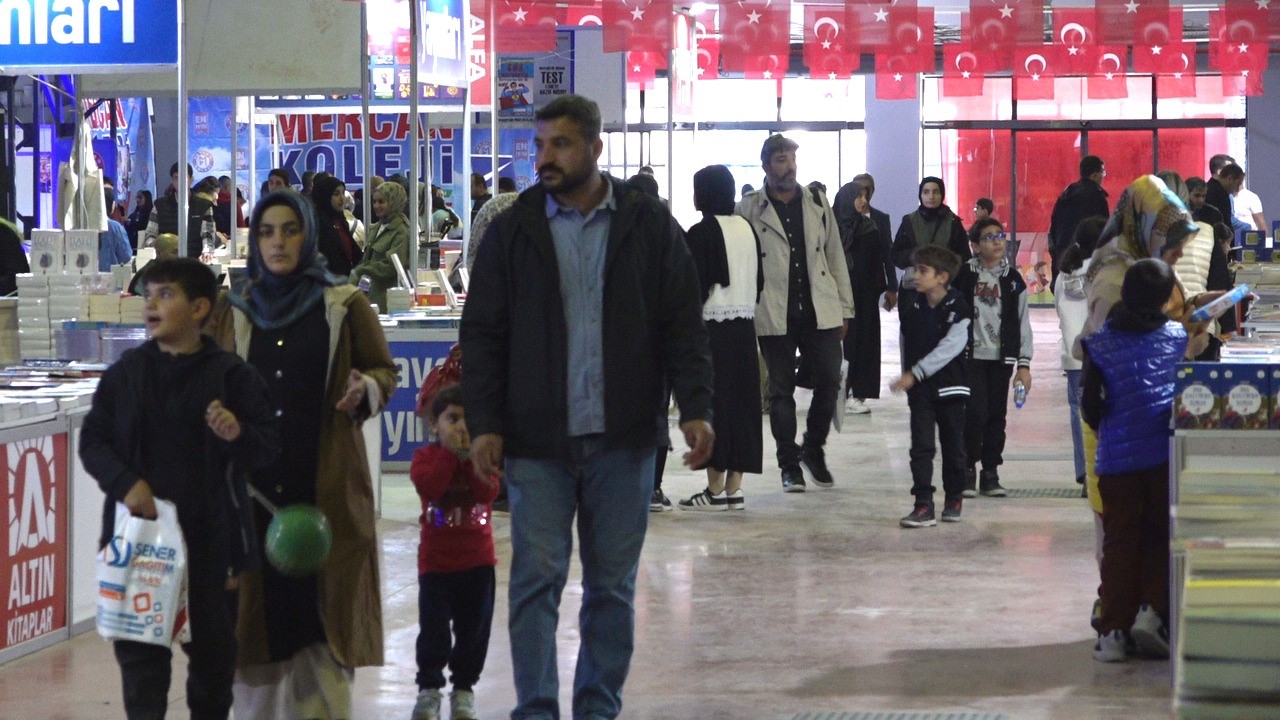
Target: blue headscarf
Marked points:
273	301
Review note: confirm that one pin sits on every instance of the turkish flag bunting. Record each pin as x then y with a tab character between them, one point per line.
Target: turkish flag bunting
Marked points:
524	26
989	30
1157	26
911	29
704	33
894	81
1238	40
581	15
1033	71
1108	80
871	19
963	70
767	67
642	67
1075	33
637	26
754	29
1172	60
1244	83
1033	77
825	43
1118	18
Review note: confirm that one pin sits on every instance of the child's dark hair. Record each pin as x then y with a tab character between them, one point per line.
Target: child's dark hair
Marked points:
975	232
1148	284
939	258
1082	244
1222	232
449	395
194	277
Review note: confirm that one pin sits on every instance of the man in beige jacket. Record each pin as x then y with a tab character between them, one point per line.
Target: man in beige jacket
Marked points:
806	305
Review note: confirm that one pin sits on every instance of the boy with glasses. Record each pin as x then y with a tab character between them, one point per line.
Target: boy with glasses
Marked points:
999	341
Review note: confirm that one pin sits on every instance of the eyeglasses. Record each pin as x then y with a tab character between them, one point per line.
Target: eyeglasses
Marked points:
992	237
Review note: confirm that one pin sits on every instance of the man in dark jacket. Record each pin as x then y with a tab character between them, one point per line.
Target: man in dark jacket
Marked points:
1201	211
1221	187
584	307
1082	198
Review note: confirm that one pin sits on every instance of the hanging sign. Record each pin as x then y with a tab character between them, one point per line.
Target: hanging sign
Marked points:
85	36
442	45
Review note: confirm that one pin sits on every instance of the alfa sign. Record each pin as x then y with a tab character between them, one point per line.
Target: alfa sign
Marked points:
87	35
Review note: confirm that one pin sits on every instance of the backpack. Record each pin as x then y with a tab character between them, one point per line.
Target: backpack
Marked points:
441	376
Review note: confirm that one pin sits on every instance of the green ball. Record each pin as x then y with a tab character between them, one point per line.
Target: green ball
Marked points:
298	540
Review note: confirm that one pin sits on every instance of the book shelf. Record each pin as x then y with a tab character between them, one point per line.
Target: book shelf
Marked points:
1224	492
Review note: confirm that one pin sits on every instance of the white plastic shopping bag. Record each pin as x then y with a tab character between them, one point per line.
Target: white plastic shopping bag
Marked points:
142	579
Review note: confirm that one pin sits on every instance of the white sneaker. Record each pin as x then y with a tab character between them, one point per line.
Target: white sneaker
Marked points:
1110	647
428	705
856	406
1150	634
706	500
462	705
735	500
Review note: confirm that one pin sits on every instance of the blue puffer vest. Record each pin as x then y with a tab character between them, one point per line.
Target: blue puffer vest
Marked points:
1137	371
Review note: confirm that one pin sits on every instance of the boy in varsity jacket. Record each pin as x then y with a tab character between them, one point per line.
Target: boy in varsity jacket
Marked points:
999	341
935	333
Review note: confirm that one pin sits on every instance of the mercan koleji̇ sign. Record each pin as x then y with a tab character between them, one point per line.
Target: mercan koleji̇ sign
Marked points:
87	35
33	566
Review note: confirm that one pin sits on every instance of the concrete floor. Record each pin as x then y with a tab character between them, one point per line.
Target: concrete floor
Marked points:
802	604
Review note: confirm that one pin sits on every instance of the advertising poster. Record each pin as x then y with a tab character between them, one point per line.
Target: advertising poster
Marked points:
334	143
528	82
442	53
33	567
209	143
403	432
132	164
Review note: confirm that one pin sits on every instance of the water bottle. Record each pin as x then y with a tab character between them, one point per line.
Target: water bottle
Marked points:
1019	394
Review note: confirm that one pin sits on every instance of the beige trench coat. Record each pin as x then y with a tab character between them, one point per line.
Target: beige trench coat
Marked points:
829	287
350	593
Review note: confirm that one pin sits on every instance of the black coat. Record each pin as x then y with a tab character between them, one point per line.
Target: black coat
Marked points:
515	340
1217	196
13	261
1082	198
884	225
113	445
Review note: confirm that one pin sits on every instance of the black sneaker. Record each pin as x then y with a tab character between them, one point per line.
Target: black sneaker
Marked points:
792	479
815	461
922	516
990	486
706	500
951	511
970	483
659	502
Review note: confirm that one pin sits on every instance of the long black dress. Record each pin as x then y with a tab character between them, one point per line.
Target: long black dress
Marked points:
739	443
866	251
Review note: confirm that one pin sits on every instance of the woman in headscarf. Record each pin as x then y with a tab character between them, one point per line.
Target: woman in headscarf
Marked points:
726	252
1203	266
337	241
871	274
320	348
389	236
933	223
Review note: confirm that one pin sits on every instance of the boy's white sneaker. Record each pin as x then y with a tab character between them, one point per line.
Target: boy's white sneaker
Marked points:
462	705
1150	634
1110	647
428	705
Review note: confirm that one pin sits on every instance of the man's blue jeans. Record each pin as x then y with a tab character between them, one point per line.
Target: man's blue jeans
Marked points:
609	491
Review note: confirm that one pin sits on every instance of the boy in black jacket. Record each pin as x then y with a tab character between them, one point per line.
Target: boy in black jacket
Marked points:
999	341
181	420
935	331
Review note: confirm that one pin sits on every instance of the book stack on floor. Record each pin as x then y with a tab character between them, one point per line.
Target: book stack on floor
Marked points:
1229	634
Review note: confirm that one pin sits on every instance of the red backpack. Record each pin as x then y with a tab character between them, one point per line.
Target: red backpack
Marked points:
441	376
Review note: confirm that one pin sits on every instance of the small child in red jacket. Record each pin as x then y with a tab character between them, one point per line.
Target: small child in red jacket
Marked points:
455	563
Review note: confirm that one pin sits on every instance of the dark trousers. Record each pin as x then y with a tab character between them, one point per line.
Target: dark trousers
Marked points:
820	352
987	412
862	347
211	654
947	416
465	600
1135	545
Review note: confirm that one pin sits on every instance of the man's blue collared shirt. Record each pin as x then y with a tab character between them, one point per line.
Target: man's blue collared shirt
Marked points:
581	243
